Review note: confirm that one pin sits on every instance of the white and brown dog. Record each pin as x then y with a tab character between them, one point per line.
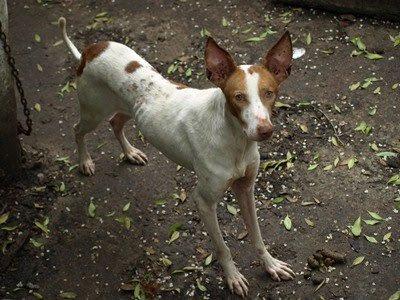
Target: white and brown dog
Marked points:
213	132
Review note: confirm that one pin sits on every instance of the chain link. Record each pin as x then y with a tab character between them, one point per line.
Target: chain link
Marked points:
18	83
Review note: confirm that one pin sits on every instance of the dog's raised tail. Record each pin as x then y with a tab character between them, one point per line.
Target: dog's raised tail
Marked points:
63	25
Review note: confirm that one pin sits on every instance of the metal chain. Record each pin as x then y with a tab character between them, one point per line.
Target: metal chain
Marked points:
18	83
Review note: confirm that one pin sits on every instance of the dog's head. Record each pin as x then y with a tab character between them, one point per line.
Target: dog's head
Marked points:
250	90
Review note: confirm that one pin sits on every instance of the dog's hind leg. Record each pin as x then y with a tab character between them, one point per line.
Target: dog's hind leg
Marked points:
133	154
87	124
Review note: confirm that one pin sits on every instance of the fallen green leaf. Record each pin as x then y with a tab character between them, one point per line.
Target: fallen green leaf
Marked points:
336	161
174	236
279	104
200	286
373	56
4	217
287	222
376	91
37	295
312	167
10	228
357	41
309	222
372	111
363	127
371	239
356	227
160	202
43	225
36	243
126	207
37	107
91	209
37	38
255	39
125	221
354	86
68	295
304	128
204	32
358	260
166	262
278	200
308	39
375	216
61	188
387	236
356	53
371	222
231	209
374	146
395	296
208	260
386	154
351	162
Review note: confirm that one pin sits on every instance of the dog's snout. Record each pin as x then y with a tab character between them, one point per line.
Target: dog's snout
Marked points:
265	131
261	119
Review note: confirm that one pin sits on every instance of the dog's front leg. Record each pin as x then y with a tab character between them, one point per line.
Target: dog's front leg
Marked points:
244	190
206	202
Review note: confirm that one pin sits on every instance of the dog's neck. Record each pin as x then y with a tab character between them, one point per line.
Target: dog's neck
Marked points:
228	123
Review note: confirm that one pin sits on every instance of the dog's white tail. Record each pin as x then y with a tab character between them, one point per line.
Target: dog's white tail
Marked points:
63	25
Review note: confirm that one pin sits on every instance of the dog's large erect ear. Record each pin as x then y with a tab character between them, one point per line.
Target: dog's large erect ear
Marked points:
279	58
219	64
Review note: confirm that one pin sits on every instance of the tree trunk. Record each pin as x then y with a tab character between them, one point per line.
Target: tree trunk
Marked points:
9	144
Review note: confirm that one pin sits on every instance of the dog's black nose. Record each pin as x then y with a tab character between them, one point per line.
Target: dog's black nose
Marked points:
265	131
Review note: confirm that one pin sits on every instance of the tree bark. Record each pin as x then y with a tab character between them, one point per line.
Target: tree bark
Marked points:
10	150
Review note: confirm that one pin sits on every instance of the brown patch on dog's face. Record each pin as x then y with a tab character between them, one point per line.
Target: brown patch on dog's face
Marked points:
235	93
267	86
250	91
90	53
132	66
178	85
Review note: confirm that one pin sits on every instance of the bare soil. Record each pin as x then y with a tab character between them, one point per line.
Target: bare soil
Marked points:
99	258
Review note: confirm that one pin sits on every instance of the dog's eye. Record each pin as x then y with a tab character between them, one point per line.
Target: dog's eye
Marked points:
240	97
268	94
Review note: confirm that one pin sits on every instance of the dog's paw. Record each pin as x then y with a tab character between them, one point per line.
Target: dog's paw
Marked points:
87	167
279	270
238	284
135	156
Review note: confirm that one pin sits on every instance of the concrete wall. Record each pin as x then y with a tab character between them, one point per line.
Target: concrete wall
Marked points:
9	144
389	9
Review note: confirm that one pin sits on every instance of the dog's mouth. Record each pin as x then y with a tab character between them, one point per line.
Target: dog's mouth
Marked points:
260	137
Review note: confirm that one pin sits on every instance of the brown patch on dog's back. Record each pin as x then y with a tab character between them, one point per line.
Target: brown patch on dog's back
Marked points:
132	66
90	53
179	85
236	83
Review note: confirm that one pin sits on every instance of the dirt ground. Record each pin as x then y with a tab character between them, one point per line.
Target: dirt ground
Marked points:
317	169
